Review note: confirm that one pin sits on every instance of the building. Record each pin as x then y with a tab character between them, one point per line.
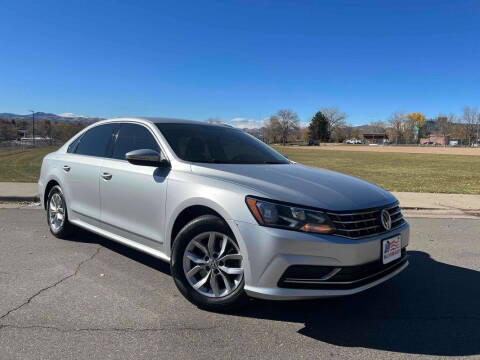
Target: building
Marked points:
435	139
376	138
39	140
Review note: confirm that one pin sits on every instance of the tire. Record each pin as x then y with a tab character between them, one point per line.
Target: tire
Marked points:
224	265
56	205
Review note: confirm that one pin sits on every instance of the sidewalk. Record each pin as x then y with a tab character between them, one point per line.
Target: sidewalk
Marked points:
14	191
411	200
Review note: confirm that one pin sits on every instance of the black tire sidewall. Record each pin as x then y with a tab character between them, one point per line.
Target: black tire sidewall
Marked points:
197	226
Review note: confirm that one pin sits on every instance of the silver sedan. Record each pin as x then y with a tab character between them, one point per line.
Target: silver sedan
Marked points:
234	218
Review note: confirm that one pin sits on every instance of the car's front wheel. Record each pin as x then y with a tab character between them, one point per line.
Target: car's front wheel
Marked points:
57	215
207	265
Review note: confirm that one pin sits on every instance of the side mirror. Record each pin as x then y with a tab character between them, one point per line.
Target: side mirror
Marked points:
147	157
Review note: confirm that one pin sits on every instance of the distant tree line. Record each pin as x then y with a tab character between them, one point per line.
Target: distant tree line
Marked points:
409	128
329	125
12	129
326	125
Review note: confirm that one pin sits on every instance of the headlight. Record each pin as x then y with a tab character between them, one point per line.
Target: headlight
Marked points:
289	217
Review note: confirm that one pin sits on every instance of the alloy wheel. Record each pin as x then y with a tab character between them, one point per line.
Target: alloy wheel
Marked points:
56	212
212	264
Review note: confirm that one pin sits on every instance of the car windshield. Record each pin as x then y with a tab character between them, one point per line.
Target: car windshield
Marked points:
217	144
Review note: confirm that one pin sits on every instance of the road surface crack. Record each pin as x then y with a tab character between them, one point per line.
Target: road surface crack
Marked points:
126	330
77	269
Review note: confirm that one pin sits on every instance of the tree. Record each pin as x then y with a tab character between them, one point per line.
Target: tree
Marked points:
319	127
471	119
377	127
341	133
289	123
396	121
409	131
418	121
305	133
459	131
444	125
7	131
335	118
356	134
63	132
272	130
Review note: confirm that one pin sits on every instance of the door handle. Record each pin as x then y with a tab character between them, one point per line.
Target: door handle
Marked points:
107	176
66	168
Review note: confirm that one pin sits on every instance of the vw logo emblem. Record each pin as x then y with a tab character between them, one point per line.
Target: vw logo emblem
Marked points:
385	219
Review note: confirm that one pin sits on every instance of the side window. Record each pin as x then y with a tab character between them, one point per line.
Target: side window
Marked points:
96	141
73	146
133	137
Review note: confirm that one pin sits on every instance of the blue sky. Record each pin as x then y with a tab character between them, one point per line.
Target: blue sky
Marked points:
239	59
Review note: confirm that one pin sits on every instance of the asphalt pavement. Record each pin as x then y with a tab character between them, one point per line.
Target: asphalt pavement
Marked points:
90	298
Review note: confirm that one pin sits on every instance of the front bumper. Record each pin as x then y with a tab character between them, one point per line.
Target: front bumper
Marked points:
269	252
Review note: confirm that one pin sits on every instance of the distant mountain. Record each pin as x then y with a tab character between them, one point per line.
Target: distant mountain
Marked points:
66	118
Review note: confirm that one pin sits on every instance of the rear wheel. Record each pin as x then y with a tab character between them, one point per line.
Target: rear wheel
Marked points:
57	215
207	265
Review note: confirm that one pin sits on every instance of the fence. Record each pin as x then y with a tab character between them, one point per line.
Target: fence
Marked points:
29	143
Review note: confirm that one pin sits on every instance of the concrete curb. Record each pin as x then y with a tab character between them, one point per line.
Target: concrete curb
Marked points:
35	198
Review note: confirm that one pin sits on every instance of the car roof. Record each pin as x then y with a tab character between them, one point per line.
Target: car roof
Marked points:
164	120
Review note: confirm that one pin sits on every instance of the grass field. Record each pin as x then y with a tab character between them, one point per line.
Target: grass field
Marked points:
397	171
454	174
22	165
438	150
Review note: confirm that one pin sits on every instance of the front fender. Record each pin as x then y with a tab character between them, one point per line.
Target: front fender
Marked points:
227	200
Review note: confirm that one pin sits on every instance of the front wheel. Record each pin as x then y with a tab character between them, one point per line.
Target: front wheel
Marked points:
207	265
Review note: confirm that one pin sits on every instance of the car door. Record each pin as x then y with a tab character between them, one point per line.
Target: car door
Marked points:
133	196
81	168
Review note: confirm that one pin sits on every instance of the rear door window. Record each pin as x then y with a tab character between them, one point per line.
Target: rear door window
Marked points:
96	141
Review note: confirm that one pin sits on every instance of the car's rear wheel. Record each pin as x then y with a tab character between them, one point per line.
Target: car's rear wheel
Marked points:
57	215
207	265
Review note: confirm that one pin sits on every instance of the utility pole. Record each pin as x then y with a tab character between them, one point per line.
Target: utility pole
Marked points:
33	126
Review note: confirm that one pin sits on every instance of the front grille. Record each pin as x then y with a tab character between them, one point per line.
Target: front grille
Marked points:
363	223
330	277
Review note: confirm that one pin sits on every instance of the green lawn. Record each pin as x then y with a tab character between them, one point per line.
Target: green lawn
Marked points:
393	171
22	165
398	171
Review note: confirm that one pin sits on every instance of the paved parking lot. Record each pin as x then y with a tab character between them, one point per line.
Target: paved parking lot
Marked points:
90	298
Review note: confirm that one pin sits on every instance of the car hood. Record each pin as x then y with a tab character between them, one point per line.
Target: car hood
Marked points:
302	185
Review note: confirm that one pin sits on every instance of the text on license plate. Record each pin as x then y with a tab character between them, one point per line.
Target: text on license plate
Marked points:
391	249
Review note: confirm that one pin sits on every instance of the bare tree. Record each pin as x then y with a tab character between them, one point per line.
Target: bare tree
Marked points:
408	130
377	127
272	129
471	120
341	133
289	123
445	125
335	117
396	121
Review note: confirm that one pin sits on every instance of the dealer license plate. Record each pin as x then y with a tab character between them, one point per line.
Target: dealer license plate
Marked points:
391	249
